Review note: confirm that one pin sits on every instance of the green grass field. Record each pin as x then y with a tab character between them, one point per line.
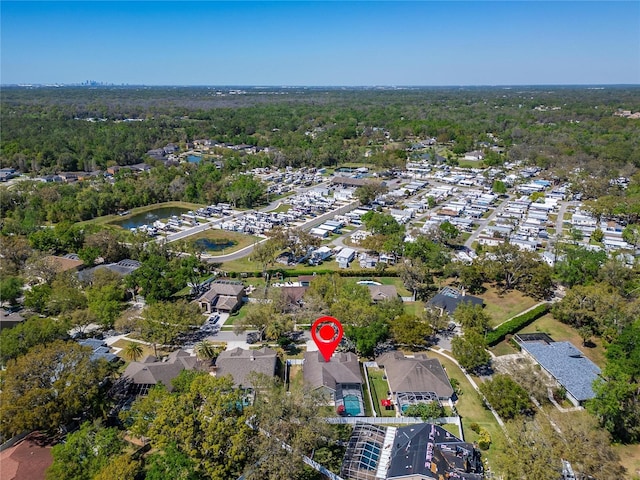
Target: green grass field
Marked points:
146	349
379	387
471	409
501	307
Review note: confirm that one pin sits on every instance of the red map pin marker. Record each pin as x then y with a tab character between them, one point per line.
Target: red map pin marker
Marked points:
327	333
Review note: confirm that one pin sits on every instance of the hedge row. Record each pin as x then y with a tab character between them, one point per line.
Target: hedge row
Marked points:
515	324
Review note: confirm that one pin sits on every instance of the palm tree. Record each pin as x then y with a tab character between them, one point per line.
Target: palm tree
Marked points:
133	351
205	350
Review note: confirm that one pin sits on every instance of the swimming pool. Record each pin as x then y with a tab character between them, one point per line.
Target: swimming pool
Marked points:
368	282
352	405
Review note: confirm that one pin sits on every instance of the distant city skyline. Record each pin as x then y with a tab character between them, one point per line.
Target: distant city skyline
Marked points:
320	43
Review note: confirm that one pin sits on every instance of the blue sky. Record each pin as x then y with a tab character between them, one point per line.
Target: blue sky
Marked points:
320	43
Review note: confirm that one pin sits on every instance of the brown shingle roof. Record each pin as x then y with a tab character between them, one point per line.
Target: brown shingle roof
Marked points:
419	374
239	363
382	292
62	264
27	459
150	371
227	287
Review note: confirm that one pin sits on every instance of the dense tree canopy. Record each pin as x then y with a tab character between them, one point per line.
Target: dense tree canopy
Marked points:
48	386
204	422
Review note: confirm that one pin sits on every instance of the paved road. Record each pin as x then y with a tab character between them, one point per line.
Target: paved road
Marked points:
485	221
305	226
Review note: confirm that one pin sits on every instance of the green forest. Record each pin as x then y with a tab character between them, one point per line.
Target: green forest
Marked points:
200	428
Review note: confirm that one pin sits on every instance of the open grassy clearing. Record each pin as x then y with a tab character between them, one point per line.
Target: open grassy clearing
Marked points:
560	332
414	308
502	307
282	208
471	408
630	459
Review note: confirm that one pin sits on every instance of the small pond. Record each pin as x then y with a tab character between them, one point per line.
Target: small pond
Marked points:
214	245
147	218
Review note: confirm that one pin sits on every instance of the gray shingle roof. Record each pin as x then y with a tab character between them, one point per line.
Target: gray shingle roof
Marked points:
566	363
239	363
100	349
150	371
449	299
419	374
343	368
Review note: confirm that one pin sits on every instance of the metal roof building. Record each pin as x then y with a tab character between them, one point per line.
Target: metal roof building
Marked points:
566	364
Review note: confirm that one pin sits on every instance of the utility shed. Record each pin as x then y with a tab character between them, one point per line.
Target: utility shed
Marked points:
566	364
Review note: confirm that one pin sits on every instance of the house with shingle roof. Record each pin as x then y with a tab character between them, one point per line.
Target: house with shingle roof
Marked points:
239	363
415	380
222	296
150	371
380	293
422	451
66	263
565	363
449	298
27	458
337	379
100	349
122	268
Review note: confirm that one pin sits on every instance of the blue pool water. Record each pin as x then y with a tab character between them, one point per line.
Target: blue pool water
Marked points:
352	405
194	158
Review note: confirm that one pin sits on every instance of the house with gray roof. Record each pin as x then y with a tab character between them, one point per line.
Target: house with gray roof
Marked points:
380	293
415	380
150	371
222	296
565	363
122	268
100	349
449	298
239	363
339	380
422	451
9	318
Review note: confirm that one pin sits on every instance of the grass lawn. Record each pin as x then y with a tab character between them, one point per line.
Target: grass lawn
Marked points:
471	409
414	308
295	377
240	240
368	409
236	316
146	349
380	388
561	332
630	459
503	348
503	307
282	208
